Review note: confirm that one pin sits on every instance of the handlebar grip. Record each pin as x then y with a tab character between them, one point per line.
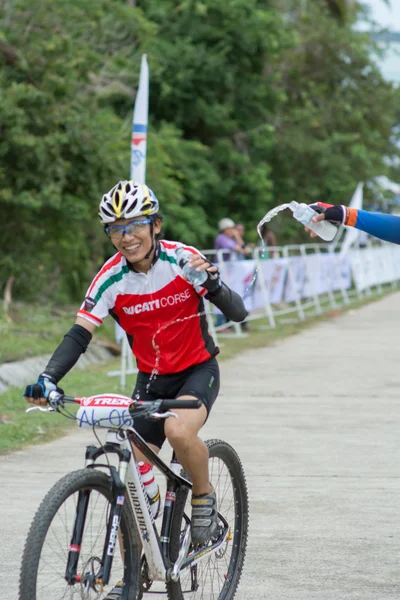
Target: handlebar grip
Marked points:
55	398
174	404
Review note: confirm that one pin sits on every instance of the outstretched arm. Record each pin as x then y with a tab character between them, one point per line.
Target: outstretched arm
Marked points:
384	227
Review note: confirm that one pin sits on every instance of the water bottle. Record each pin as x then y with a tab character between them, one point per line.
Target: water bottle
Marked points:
151	487
175	466
183	259
304	213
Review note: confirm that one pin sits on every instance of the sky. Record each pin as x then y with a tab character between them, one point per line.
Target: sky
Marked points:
387	17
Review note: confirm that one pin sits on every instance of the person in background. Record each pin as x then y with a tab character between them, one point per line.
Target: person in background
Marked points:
240	229
269	239
248	247
229	238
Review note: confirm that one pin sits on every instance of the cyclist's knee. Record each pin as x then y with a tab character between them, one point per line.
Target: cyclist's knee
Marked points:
179	434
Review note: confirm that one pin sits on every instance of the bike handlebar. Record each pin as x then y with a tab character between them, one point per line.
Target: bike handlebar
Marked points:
56	399
175	404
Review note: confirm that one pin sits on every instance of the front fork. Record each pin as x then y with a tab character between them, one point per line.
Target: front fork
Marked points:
102	575
71	574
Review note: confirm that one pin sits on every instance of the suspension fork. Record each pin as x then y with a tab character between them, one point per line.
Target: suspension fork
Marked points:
114	520
118	495
71	575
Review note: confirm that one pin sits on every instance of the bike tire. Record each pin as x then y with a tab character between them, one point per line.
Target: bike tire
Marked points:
53	502
179	590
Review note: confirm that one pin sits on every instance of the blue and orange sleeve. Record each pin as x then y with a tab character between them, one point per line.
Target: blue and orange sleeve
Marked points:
384	227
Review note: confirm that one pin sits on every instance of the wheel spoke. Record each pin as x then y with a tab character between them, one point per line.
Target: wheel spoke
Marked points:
219	573
48	545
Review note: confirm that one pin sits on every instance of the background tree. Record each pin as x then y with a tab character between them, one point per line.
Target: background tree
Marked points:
252	104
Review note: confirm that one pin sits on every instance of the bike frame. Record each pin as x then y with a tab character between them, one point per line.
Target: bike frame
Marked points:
156	547
127	484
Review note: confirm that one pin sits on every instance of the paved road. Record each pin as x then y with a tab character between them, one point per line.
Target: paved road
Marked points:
316	420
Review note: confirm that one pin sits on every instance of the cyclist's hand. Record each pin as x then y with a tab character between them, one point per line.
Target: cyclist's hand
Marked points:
38	393
213	281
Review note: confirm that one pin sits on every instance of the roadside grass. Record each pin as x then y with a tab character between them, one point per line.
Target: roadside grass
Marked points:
19	429
38	329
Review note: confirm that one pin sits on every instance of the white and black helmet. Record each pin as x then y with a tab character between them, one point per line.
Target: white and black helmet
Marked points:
126	200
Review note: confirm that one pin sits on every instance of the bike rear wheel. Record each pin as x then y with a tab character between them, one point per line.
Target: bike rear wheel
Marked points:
216	577
46	550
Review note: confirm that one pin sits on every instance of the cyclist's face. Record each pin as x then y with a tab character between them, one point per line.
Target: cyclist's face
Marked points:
135	242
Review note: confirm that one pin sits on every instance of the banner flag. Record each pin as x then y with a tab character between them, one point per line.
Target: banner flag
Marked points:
139	125
314	274
138	173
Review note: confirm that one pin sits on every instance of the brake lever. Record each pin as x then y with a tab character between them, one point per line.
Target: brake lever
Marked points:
164	415
41	408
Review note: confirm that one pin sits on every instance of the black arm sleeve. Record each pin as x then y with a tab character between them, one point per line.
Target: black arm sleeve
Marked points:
229	303
75	342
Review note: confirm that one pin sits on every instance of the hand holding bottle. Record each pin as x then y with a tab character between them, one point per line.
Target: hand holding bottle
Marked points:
327	212
316	219
198	270
197	262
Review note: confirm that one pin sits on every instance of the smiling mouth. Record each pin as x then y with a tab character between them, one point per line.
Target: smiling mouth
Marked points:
132	248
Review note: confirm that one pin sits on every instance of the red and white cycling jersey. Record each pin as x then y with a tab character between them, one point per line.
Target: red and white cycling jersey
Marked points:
149	307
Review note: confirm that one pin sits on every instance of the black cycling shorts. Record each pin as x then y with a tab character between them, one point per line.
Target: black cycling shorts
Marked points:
200	381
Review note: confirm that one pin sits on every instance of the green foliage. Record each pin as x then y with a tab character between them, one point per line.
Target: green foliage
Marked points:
251	104
37	329
336	124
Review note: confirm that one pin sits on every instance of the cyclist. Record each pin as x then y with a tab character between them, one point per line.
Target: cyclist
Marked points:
384	227
162	313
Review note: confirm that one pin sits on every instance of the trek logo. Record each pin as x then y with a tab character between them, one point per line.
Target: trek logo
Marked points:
155	304
107	401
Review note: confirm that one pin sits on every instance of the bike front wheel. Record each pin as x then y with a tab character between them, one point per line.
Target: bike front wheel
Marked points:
216	577
46	550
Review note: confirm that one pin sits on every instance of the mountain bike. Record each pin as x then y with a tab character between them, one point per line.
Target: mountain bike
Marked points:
94	535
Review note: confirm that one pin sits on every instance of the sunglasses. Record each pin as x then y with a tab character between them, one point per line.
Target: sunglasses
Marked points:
117	232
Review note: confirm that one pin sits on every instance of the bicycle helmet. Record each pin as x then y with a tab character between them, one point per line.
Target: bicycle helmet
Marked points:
126	200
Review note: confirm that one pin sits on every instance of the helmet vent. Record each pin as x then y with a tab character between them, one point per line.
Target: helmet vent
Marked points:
127	199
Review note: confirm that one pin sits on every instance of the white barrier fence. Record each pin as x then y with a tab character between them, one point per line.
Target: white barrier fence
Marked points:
300	280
